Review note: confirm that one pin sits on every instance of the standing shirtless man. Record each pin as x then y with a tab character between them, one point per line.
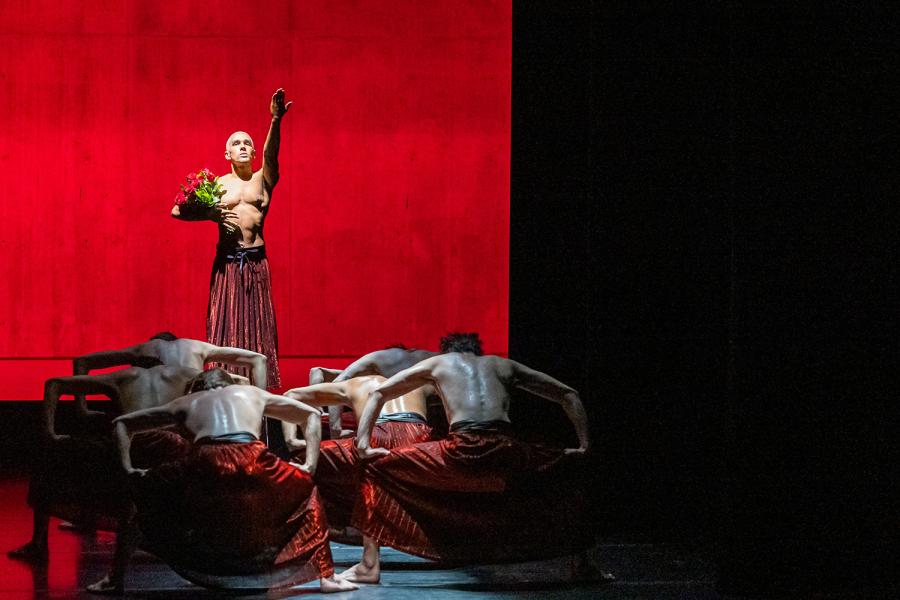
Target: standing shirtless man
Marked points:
240	311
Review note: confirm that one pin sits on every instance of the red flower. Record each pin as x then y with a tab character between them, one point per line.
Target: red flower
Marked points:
180	199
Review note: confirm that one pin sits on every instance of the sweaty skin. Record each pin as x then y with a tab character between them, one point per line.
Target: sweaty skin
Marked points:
353	393
221	411
130	390
473	388
241	212
181	352
387	362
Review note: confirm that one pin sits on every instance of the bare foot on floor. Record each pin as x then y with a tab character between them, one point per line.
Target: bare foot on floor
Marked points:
328	585
586	568
30	552
105	586
360	573
77	526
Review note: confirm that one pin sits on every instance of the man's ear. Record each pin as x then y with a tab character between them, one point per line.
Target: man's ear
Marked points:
227	154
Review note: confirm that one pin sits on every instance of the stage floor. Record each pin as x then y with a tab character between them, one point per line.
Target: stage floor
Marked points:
643	570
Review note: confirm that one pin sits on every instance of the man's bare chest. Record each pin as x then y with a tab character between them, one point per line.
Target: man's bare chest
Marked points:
245	194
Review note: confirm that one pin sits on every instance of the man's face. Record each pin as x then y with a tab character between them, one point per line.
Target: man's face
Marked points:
239	148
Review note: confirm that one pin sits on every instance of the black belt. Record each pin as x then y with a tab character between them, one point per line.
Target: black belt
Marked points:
496	425
238	437
402	417
240	255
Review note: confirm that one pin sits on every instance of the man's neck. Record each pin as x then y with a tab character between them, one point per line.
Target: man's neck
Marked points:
244	172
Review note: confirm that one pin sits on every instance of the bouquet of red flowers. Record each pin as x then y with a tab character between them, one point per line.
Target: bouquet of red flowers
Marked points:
202	191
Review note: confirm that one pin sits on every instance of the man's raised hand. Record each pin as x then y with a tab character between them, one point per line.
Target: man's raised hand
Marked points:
278	107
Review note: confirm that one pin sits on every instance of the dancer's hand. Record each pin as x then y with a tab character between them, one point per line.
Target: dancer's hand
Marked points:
278	108
306	468
580	451
368	453
136	472
296	444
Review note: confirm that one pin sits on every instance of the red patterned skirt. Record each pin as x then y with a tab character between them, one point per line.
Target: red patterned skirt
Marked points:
338	473
477	496
234	514
240	312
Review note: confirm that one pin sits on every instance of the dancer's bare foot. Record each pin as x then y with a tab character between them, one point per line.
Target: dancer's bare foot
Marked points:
30	552
77	526
587	567
362	573
106	586
328	585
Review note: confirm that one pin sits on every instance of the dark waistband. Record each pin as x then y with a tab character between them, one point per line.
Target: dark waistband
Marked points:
240	254
238	437
402	417
497	425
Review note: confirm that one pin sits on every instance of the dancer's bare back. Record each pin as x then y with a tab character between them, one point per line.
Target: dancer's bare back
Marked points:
474	388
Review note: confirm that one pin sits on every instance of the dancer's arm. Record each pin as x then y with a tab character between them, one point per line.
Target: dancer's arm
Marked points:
75	385
273	140
142	420
541	384
332	395
239	357
82	365
323	375
402	383
288	409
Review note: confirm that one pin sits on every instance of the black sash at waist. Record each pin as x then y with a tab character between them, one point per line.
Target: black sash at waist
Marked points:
497	425
237	437
402	417
239	254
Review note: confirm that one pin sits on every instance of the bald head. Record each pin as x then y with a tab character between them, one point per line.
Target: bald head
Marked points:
239	148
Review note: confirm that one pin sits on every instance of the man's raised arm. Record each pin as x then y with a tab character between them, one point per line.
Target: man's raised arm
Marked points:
541	384
78	386
239	357
273	140
403	382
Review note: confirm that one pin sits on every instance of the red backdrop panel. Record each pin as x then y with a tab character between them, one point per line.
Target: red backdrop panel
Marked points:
391	220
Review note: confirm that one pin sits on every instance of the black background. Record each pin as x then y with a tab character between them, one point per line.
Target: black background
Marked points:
704	244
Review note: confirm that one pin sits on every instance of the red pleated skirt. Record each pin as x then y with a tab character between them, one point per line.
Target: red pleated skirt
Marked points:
240	312
235	514
474	497
338	473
